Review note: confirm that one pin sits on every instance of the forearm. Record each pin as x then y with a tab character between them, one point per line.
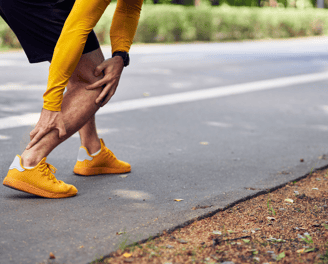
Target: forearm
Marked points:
69	48
124	24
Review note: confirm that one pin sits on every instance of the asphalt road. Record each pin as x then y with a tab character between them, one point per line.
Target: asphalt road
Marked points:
199	122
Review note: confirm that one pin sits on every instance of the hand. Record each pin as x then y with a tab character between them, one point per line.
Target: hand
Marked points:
49	120
112	69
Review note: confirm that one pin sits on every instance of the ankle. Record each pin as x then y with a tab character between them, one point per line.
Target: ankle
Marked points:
92	147
29	160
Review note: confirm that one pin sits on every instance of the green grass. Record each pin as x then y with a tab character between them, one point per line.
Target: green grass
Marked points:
98	259
174	23
270	208
177	23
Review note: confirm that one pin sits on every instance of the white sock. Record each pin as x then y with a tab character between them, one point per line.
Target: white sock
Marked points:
96	153
29	168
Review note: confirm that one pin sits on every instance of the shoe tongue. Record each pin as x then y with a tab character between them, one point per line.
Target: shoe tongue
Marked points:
102	143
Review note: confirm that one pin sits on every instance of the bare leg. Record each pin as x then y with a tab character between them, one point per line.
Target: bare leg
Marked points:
88	133
89	136
78	107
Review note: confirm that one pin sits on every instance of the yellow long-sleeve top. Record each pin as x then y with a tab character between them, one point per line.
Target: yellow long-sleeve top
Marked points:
69	48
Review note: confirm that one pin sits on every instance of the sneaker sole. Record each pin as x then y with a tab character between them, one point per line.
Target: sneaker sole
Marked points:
25	187
98	171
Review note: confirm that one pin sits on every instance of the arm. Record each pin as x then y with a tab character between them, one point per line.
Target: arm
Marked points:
81	20
69	48
71	42
123	28
124	24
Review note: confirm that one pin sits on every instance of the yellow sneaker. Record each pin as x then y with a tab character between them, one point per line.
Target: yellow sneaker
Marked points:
103	163
39	181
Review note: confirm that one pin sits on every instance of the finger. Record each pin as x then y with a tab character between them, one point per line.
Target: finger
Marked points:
33	133
101	96
97	84
99	69
108	97
36	138
104	93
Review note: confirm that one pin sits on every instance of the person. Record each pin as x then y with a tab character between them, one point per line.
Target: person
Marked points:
61	32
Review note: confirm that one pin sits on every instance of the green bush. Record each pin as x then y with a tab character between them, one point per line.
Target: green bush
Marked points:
151	29
7	37
174	23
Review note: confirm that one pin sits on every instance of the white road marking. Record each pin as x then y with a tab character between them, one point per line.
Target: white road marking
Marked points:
211	93
19	121
6	63
104	131
218	124
11	62
128	105
21	87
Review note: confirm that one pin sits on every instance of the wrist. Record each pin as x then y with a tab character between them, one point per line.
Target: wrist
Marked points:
119	60
124	55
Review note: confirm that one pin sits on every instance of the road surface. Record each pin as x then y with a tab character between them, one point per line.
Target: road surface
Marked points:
207	123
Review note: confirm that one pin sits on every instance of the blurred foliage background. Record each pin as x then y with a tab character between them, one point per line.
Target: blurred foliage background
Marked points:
169	21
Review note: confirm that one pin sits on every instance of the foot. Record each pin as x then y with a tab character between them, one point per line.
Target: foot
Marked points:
104	162
39	180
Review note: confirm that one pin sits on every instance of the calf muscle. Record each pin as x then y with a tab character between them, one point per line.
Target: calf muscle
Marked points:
77	108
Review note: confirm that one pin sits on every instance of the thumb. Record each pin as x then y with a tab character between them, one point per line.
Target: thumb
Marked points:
99	69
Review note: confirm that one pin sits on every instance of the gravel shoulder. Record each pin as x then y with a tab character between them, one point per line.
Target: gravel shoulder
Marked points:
288	225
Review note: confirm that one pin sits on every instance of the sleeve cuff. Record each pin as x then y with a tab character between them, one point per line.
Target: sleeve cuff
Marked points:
52	108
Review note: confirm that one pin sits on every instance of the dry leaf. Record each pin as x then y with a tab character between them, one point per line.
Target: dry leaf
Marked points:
178	200
127	255
252	214
289	200
51	255
81	247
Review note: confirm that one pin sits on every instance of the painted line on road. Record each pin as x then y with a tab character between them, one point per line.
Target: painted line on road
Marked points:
22	87
211	93
128	105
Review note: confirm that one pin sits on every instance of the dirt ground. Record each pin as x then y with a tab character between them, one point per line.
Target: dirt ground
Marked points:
288	225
